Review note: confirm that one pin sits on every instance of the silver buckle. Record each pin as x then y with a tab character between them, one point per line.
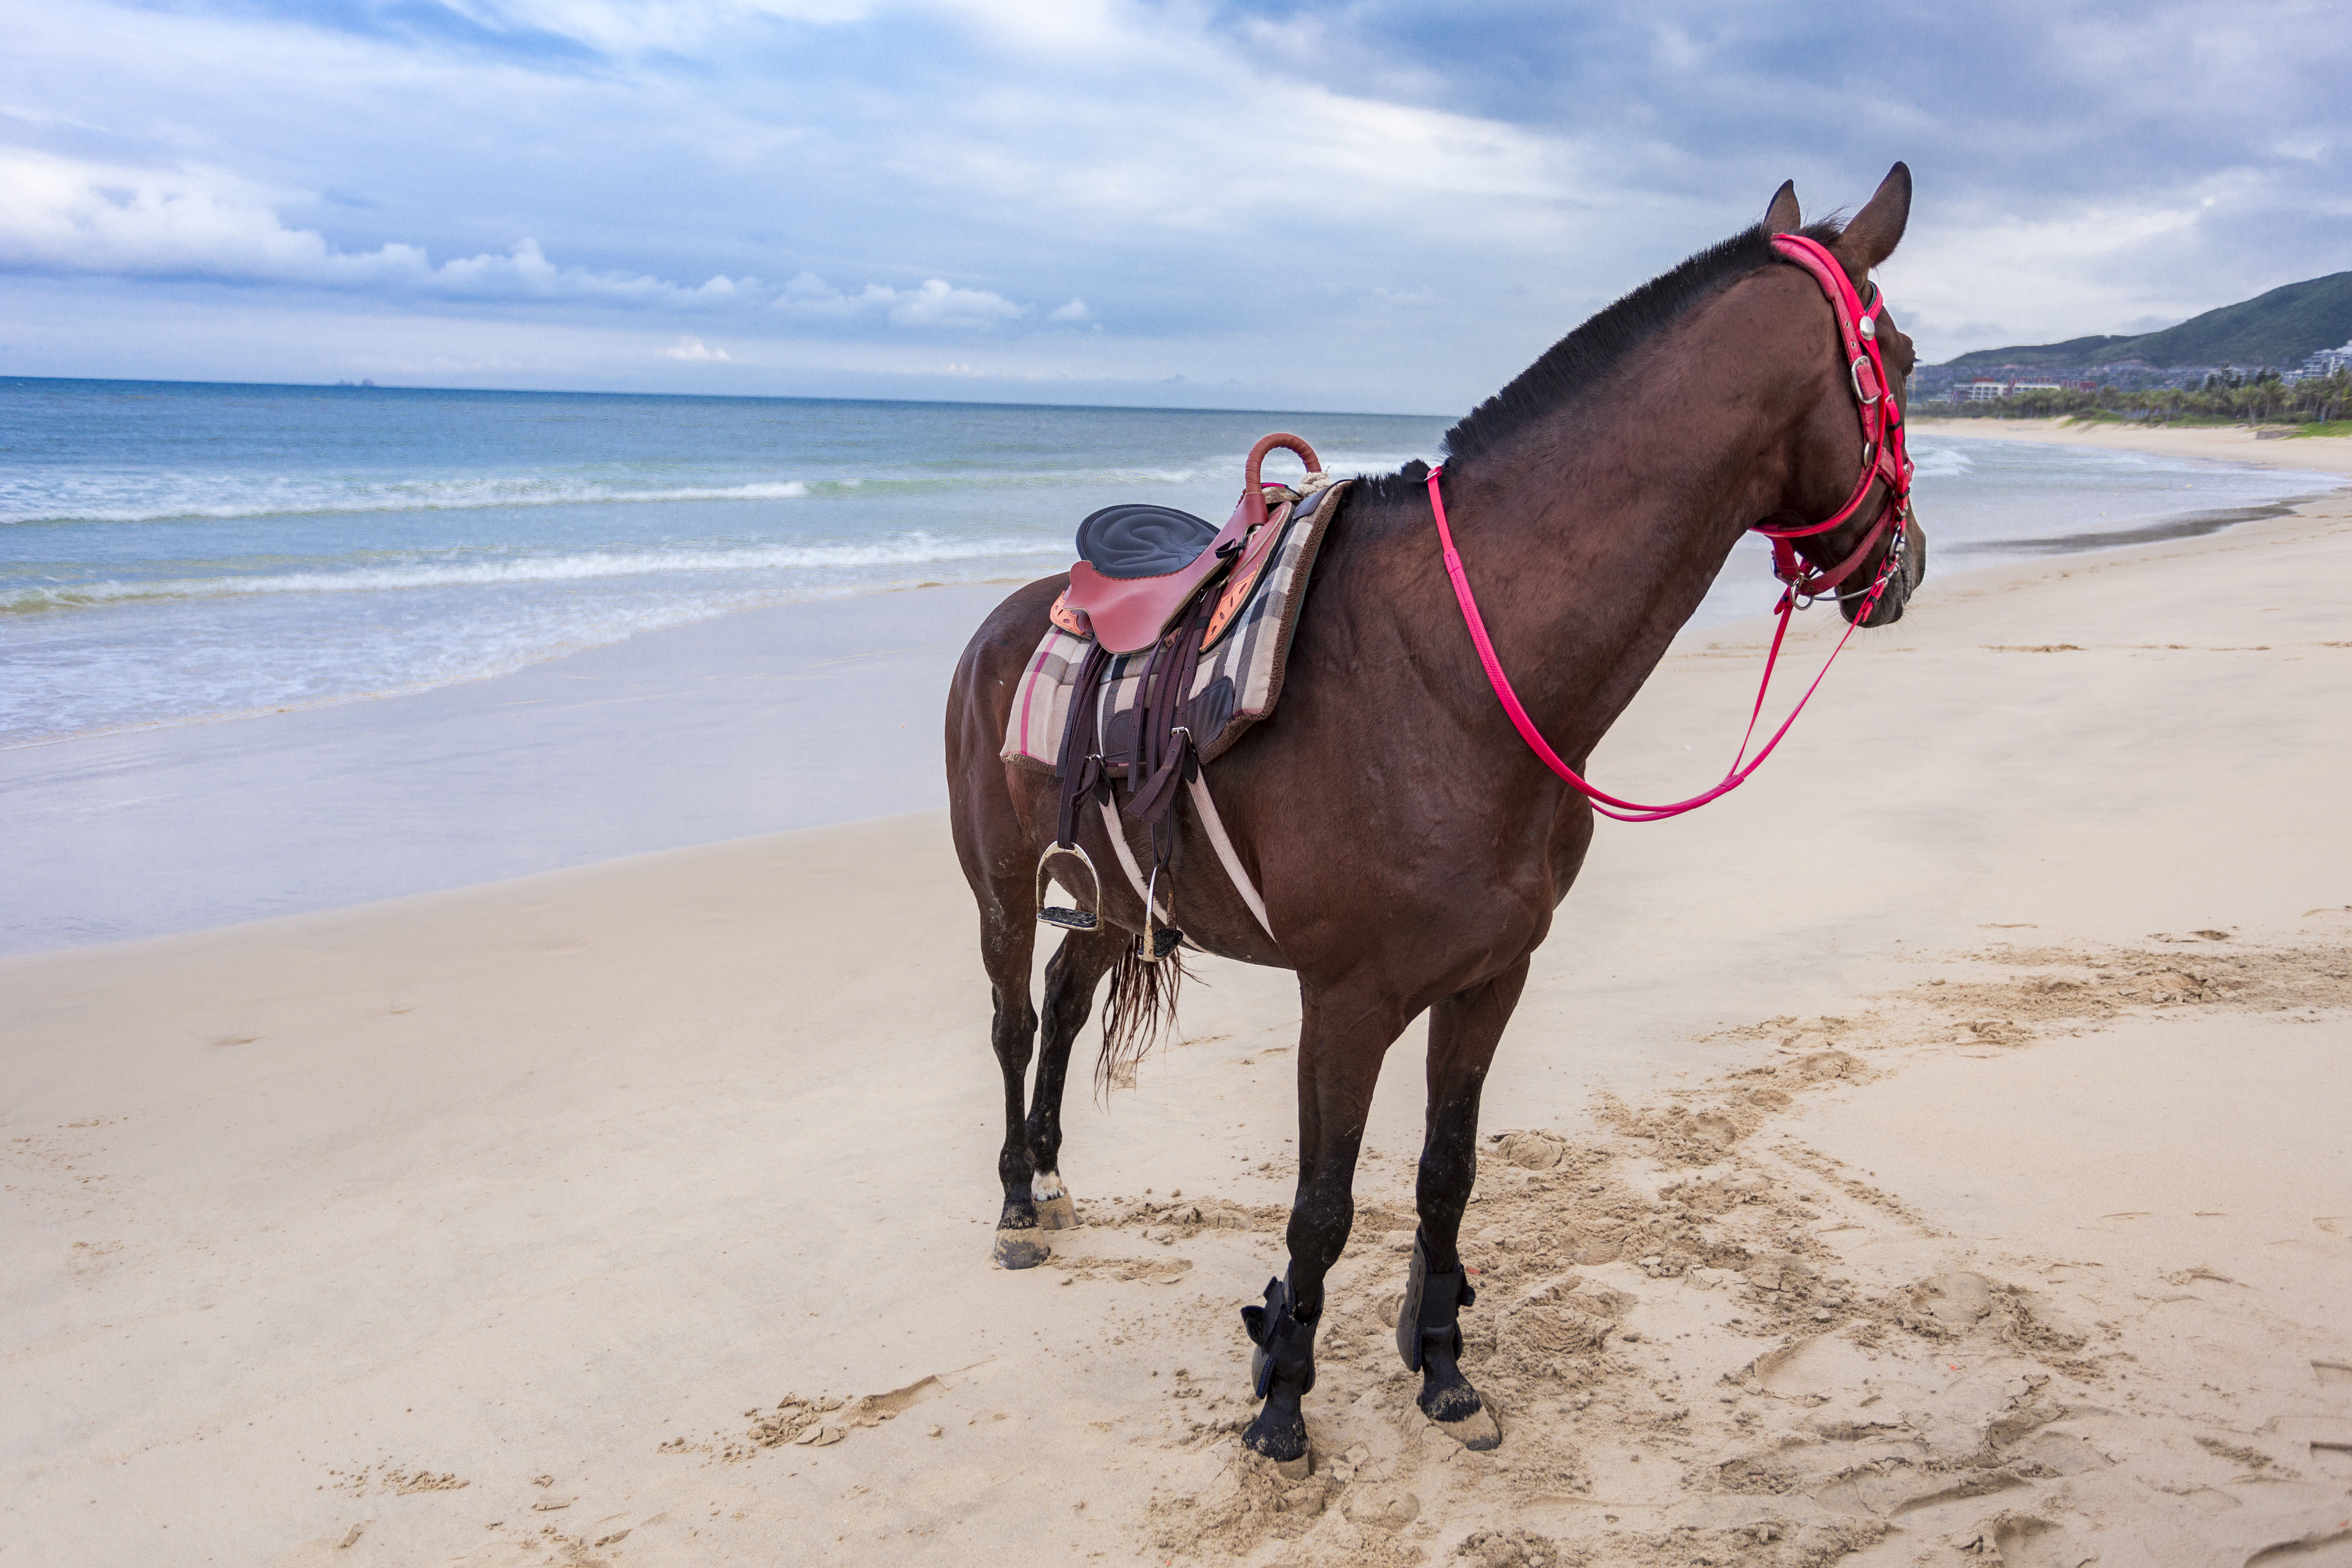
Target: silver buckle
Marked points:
1854	373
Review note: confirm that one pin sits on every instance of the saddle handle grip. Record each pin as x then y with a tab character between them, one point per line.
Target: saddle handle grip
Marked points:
1252	488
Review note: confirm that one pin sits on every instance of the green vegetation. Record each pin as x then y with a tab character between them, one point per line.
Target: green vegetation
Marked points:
2283	327
2264	399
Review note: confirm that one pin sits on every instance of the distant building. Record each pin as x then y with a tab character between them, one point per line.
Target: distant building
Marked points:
1986	390
2326	361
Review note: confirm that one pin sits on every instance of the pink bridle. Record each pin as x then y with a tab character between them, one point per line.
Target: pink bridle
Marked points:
1884	460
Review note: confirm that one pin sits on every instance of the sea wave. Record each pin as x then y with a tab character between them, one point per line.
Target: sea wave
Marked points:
1930	462
1280	464
53	500
910	550
257	497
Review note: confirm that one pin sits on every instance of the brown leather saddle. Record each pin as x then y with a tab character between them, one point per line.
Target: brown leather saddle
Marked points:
1152	578
1141	565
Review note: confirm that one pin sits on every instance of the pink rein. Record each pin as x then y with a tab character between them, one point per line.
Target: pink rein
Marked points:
1883	457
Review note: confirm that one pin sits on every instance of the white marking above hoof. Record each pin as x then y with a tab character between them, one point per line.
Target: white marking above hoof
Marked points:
1045	1186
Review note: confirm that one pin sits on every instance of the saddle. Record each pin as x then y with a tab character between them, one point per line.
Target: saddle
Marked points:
1141	565
1155	582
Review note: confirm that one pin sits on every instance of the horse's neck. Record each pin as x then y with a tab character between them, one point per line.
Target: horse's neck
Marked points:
1594	537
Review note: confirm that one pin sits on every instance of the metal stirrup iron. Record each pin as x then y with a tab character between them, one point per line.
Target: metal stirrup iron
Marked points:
1068	919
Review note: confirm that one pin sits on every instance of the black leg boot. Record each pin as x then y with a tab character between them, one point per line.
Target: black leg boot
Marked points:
1282	1370
1429	1338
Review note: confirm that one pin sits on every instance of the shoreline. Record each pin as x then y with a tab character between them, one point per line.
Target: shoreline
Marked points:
1983	1179
2230	444
788	716
394	693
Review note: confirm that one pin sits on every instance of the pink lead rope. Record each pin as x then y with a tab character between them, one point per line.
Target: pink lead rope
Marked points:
1883	457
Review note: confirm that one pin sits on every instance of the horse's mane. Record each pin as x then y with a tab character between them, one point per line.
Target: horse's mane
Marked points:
1586	357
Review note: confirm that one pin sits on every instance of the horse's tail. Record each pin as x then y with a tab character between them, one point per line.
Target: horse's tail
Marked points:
1142	1006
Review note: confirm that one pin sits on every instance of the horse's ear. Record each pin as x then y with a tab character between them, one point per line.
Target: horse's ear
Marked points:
1878	228
1782	216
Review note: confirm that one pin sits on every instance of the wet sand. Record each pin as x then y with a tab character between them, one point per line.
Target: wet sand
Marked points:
755	722
1968	1183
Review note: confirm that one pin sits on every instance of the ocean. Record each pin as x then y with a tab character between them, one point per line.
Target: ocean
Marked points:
171	552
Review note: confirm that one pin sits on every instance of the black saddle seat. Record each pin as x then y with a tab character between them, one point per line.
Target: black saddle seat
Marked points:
1138	540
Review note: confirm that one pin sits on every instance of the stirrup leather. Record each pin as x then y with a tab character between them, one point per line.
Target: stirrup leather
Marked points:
1157	940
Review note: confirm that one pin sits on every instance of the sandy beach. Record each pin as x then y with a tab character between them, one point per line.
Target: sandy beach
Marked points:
1971	1183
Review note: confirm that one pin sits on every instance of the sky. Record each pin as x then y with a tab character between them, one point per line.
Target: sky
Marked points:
1378	205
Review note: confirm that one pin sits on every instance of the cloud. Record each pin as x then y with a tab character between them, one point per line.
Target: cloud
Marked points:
1427	195
692	349
935	304
60	216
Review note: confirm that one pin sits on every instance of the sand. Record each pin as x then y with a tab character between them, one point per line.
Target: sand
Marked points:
1935	1152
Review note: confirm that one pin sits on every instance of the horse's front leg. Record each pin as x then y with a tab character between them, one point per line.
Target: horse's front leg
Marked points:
1071	981
1464	1029
1343	1035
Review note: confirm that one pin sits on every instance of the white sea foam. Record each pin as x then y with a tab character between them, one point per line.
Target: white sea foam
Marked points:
164	496
1930	462
910	550
157	498
1282	465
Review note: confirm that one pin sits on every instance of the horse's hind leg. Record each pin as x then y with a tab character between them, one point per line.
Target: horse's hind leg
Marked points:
1071	979
1008	941
1464	1029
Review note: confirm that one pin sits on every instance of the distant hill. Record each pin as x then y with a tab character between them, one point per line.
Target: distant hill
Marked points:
2283	327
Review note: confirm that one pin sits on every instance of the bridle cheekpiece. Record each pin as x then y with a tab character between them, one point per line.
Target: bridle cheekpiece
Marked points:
1886	457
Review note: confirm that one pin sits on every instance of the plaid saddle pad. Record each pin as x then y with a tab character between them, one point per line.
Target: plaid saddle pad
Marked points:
1236	684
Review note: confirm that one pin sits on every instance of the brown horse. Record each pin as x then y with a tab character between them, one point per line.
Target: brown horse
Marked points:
1408	846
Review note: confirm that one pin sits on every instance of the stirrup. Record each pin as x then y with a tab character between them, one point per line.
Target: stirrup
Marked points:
1157	941
1068	919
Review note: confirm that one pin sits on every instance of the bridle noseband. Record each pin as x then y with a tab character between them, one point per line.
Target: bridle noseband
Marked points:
1886	455
1884	460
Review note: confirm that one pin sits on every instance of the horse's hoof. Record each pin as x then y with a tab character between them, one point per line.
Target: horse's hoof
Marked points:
1055	1209
1021	1250
1279	1436
1478	1431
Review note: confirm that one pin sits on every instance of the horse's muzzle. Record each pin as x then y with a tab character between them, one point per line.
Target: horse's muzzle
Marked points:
1909	574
